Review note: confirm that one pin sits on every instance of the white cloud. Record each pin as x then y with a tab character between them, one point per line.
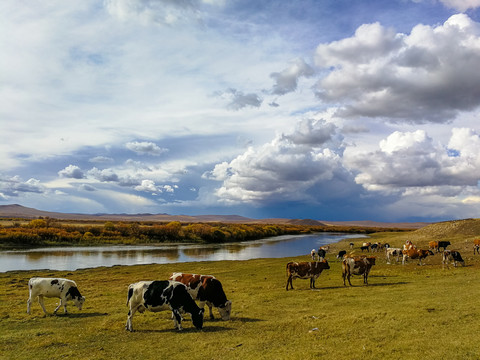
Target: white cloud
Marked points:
238	100
428	75
15	186
413	160
72	171
287	80
461	5
145	147
283	169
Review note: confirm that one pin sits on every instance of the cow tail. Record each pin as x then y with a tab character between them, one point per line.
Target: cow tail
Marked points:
130	294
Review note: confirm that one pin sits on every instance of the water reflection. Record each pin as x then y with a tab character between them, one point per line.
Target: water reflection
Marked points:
72	258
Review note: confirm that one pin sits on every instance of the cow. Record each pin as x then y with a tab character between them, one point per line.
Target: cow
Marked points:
391	252
433	245
313	254
341	254
374	247
351	245
454	256
415	253
64	289
305	270
321	254
357	266
365	247
408	245
207	290
162	295
476	246
443	245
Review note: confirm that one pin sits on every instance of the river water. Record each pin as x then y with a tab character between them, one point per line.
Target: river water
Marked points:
73	258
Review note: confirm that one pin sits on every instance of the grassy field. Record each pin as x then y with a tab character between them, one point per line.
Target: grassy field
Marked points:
406	312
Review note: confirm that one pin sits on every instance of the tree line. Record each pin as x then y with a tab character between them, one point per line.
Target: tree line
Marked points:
48	231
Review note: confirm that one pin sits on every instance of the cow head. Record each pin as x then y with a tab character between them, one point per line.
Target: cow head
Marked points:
197	319
225	310
326	266
430	252
78	301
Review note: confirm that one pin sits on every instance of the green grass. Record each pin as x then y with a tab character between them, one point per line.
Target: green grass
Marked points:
406	312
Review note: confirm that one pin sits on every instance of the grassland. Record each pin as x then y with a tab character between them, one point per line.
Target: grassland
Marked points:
406	312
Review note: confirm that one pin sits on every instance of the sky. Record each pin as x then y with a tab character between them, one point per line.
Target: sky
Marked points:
328	110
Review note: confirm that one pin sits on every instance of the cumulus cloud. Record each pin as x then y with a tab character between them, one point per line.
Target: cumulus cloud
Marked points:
15	186
145	148
429	75
105	175
406	161
238	100
72	171
147	185
286	81
283	169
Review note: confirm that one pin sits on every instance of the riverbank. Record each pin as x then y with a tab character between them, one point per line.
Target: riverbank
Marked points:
396	316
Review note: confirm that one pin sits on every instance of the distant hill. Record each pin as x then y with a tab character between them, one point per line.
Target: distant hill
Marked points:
19	211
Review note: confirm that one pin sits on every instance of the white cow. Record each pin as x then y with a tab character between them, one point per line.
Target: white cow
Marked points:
391	252
63	289
313	254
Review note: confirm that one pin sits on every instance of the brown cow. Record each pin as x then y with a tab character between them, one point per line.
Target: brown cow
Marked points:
305	270
207	290
433	245
415	253
476	246
360	265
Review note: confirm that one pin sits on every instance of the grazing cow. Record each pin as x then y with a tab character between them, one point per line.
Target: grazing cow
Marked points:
476	246
391	252
63	289
326	248
162	295
374	247
415	253
365	247
207	290
443	245
305	270
341	254
351	245
433	245
313	254
357	266
386	245
454	256
321	254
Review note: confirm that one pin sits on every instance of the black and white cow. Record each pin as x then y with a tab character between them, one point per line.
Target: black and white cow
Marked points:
341	254
453	256
162	295
63	289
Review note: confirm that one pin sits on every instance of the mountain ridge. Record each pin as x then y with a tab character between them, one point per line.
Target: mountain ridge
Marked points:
20	211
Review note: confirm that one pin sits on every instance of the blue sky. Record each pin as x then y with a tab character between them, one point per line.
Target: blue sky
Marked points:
331	110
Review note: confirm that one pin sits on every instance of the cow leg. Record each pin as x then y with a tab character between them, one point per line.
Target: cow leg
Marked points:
289	281
177	319
129	325
201	305
29	303
312	283
348	277
63	302
40	301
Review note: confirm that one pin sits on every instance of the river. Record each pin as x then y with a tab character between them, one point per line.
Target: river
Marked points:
73	258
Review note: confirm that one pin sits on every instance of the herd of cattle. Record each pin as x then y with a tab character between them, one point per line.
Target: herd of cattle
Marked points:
180	293
355	264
